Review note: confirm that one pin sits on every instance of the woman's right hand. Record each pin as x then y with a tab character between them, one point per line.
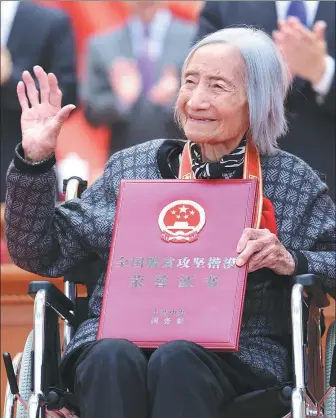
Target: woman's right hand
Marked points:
42	122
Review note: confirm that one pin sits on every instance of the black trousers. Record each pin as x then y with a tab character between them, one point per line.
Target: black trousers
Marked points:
115	379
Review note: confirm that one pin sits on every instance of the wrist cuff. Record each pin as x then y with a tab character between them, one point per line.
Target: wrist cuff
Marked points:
323	86
301	262
32	167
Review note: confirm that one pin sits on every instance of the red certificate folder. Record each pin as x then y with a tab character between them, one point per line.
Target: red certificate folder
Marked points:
172	272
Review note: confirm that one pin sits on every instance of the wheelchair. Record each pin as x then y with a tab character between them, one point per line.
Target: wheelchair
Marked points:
35	390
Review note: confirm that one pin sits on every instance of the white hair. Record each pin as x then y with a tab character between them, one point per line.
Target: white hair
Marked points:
266	81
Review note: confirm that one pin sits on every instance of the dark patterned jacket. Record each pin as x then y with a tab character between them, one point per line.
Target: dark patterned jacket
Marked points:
49	241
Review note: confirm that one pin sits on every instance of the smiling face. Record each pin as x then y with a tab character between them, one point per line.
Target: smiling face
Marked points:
212	102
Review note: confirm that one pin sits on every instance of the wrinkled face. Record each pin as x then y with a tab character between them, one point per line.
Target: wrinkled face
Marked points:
212	101
145	10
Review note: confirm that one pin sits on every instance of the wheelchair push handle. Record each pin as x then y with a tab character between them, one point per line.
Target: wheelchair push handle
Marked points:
10	373
74	187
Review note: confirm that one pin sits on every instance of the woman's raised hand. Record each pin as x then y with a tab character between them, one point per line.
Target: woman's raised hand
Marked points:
41	122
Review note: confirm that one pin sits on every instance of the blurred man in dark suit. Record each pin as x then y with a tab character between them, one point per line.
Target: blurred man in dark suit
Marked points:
133	75
305	33
31	35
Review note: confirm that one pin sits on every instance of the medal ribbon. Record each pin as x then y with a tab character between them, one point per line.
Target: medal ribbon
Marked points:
264	215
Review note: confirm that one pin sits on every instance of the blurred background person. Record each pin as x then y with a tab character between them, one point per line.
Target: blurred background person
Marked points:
305	33
132	75
31	35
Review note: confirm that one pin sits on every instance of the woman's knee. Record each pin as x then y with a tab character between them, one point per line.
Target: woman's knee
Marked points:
174	353
111	353
184	366
113	373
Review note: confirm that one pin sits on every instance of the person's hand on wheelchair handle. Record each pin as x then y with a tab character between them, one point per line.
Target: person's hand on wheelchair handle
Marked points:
42	114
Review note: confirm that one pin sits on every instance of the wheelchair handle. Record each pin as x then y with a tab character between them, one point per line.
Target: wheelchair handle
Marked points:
76	187
10	373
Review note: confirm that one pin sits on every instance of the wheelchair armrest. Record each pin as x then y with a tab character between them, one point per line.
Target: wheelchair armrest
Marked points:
314	288
55	298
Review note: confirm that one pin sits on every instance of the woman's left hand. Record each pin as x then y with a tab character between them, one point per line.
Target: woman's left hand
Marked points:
260	248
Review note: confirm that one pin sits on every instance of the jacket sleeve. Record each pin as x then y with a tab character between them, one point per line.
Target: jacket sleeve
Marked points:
317	229
49	240
328	102
63	58
101	104
61	62
210	18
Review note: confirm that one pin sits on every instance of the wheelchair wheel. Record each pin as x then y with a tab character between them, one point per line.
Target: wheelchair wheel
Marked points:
10	402
330	404
25	378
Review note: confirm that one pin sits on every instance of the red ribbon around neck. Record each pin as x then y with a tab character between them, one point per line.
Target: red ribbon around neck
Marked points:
265	215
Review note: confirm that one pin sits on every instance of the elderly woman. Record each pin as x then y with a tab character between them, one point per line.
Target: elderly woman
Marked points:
233	88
